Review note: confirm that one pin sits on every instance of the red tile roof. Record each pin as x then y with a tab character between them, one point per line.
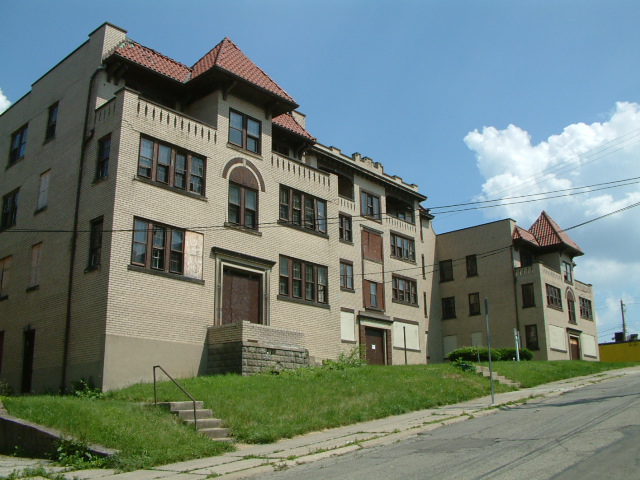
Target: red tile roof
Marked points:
546	233
288	122
153	60
227	56
224	56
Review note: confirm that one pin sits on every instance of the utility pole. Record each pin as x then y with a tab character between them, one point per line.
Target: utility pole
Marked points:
624	324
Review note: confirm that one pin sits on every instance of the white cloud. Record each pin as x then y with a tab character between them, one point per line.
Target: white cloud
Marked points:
581	155
4	102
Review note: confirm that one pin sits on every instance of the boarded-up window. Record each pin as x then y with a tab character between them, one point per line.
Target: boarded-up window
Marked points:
588	345
193	254
449	343
371	245
348	326
411	330
557	338
476	339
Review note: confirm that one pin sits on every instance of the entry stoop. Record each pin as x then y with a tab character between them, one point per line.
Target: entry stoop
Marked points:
484	371
205	423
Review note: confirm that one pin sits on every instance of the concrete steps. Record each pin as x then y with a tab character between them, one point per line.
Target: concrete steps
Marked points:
203	419
484	371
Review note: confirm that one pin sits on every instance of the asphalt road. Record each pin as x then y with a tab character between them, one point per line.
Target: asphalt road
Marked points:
589	433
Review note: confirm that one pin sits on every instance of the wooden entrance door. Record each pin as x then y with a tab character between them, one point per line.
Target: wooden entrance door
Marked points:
241	296
375	346
27	359
574	348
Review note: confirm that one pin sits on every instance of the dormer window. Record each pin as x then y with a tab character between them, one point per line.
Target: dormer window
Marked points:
567	272
244	131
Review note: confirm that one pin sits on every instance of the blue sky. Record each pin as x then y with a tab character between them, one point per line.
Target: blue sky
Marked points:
468	99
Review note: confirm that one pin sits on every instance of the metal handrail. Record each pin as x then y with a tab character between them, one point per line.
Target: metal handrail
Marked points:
155	392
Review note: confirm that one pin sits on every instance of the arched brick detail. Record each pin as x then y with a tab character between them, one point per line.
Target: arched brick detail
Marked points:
240	169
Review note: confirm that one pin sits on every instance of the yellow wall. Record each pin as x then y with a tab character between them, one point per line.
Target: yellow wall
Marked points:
620	352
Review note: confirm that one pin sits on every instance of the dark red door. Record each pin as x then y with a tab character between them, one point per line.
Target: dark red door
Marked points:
574	347
241	297
375	346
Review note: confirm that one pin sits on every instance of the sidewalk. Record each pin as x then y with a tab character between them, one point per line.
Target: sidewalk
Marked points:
250	460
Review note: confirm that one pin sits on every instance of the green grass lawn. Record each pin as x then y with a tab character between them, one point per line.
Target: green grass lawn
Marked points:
530	374
265	408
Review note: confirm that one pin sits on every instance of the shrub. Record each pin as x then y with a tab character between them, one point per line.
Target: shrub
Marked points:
510	353
463	365
470	354
83	389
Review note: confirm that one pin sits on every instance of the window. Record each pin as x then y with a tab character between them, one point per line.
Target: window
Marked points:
303	281
52	120
346	233
370	205
243	206
166	164
346	275
585	309
371	245
528	298
34	276
554	297
5	267
43	191
531	337
474	304
446	270
244	131
472	266
9	209
280	147
300	209
400	209
158	247
373	295
571	307
18	145
104	151
345	186
95	243
449	307
403	247
567	273
404	290
526	258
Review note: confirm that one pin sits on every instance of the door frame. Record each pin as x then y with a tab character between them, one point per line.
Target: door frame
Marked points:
250	264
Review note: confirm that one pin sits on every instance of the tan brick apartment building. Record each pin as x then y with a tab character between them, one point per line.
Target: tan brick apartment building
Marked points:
155	213
527	276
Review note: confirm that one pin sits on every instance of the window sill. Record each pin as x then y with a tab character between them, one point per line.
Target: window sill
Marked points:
449	318
553	307
174	276
240	228
405	260
347	242
345	289
399	302
472	275
303	302
92	268
407	349
446	280
373	309
374	260
233	146
33	288
528	306
169	188
40	210
11	164
475	314
98	180
302	229
373	218
587	319
351	342
47	140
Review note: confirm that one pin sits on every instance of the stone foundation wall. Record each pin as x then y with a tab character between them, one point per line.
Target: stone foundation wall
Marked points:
246	348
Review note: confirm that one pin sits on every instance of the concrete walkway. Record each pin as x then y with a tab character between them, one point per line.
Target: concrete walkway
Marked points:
251	460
